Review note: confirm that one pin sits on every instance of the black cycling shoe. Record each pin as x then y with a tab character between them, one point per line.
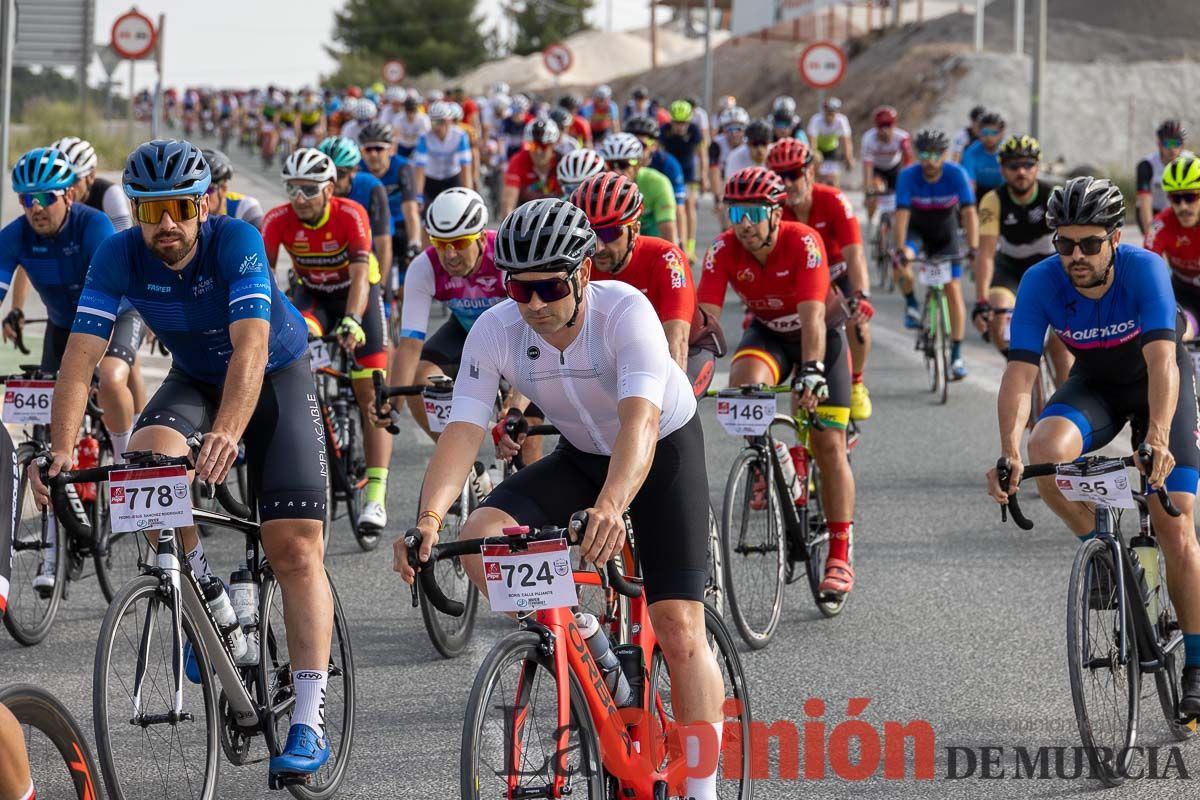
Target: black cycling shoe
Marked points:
1189	692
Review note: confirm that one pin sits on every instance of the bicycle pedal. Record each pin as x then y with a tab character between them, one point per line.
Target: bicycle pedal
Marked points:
283	781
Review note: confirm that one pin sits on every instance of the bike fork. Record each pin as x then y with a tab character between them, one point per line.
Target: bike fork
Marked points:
169	573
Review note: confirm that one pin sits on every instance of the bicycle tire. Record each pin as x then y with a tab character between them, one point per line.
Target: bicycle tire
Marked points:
943	343
927	344
450	635
104	717
1092	560
730	664
356	474
816	543
755	632
524	648
37	708
276	694
30	616
120	556
714	585
1168	680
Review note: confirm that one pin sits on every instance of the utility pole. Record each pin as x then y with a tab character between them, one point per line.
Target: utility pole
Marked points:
1019	27
1039	70
979	14
708	56
8	40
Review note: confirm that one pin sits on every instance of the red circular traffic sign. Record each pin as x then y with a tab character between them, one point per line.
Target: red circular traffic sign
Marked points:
133	35
558	58
822	65
394	71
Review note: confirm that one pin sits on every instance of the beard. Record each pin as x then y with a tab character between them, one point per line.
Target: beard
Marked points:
171	248
1093	277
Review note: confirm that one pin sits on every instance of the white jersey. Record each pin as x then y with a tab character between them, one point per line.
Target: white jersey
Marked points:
1148	177
350	129
883	155
961	141
116	206
443	159
621	351
738	159
409	131
827	136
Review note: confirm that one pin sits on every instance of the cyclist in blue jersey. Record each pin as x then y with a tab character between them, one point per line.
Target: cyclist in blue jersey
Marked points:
981	159
1112	305
240	370
52	243
364	189
930	197
647	130
396	174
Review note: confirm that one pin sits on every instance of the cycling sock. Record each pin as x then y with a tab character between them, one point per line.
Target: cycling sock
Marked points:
50	560
910	300
956	350
1191	649
839	540
377	484
703	788
691	245
120	443
857	377
198	562
1086	537
29	793
310	699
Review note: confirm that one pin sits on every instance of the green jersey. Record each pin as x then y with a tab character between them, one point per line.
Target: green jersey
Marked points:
659	198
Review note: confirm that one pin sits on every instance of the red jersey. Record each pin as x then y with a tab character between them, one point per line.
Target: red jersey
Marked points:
797	271
1179	246
323	252
832	216
522	176
581	130
660	270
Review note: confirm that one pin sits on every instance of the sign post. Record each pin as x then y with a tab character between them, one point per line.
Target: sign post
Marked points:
8	35
394	71
557	58
133	38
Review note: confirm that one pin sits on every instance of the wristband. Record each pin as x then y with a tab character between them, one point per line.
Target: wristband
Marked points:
437	517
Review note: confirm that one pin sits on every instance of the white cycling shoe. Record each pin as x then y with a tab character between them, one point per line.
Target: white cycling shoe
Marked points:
373	517
43	582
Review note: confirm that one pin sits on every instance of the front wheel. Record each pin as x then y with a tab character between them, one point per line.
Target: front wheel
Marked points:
450	635
59	757
754	548
1104	691
31	611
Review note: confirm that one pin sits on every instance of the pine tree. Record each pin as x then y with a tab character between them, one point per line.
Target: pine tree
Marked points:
541	23
443	35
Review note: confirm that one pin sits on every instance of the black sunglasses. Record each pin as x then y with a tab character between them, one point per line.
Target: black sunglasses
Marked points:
1183	197
1089	245
549	290
791	174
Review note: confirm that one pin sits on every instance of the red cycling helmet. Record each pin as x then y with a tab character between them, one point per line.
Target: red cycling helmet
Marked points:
354	91
754	185
608	199
885	115
788	154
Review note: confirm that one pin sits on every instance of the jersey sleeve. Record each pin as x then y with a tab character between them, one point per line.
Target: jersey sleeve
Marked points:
243	264
359	234
251	212
116	206
1027	334
1154	297
866	151
962	187
662	202
713	280
103	289
272	234
642	355
380	215
99	228
10	254
418	298
846	231
674	289
512	173
1145	176
464	149
478	378
904	187
421	155
989	214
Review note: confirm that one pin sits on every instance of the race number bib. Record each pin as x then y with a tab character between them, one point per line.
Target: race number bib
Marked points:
437	410
531	580
1106	484
28	401
743	415
318	351
149	499
935	274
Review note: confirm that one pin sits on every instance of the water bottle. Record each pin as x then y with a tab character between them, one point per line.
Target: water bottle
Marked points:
1147	554
87	455
227	621
800	458
789	471
610	666
243	596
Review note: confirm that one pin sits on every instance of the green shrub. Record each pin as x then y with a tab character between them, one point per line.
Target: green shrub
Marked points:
44	121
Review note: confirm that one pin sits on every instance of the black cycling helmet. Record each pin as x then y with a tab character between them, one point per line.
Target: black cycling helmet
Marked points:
931	140
1086	201
759	132
641	125
1172	129
218	164
991	118
568	101
977	112
411	103
640	93
375	131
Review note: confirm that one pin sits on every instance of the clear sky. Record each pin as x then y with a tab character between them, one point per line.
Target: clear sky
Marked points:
256	42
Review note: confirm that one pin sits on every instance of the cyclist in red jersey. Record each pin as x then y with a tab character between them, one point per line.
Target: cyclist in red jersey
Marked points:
329	241
826	209
780	270
658	268
1175	235
532	173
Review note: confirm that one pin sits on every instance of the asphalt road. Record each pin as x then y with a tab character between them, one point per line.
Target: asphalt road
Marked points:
956	620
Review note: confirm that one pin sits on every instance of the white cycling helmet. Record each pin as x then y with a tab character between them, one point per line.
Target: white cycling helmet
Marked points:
309	163
734	116
395	94
500	87
79	152
455	213
603	92
440	109
501	103
577	166
435	95
456	112
365	110
621	147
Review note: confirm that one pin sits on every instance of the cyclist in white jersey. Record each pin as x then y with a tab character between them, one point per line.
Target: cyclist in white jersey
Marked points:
410	126
885	149
595	357
1151	198
443	155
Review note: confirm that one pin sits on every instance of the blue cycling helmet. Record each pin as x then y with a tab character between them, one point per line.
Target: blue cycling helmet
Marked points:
42	169
166	168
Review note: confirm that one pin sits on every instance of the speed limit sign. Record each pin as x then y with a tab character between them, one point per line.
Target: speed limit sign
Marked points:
822	65
558	58
394	71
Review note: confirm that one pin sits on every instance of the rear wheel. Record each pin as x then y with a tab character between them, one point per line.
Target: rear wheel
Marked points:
450	635
943	345
356	475
59	757
753	545
1168	679
31	611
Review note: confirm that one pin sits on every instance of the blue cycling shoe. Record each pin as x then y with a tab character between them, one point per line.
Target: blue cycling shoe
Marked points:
304	753
912	318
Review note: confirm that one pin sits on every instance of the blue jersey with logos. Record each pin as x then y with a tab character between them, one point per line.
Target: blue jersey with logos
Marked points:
934	206
398	183
982	167
1105	335
669	165
190	310
56	265
361	187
